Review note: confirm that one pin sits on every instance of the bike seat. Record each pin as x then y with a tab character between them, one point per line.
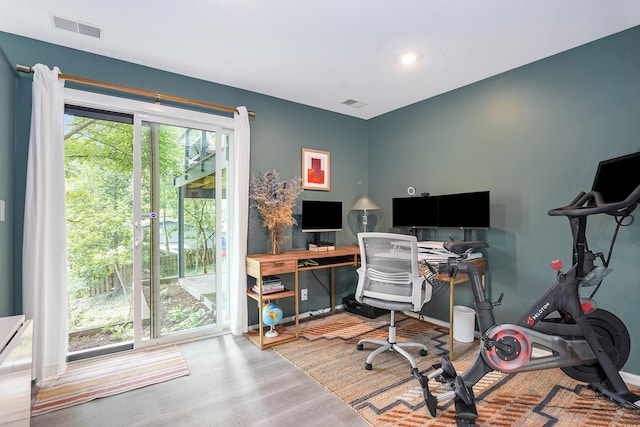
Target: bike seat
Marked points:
461	247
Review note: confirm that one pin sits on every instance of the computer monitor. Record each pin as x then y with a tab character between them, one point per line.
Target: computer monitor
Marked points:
415	212
464	210
320	216
616	178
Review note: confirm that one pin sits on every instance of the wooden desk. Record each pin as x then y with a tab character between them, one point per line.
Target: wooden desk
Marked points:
460	278
261	265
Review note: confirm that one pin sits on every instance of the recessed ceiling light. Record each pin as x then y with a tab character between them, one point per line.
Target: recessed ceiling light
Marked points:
409	58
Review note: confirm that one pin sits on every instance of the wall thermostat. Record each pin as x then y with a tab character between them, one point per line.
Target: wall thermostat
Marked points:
411	191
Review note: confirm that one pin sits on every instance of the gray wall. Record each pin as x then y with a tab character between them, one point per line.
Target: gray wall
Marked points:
7	84
533	137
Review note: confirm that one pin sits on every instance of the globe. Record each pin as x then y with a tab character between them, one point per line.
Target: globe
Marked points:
271	316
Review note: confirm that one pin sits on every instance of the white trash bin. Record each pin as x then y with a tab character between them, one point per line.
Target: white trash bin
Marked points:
464	322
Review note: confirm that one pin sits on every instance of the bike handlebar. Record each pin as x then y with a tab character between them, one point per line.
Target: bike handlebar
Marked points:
591	203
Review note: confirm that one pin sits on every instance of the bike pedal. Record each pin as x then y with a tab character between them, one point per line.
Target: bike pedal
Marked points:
463	392
429	399
449	372
465	409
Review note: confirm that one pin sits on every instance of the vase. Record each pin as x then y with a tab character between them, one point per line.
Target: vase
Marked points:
275	238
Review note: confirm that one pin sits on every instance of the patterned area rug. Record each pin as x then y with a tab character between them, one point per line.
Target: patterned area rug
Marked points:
104	376
389	396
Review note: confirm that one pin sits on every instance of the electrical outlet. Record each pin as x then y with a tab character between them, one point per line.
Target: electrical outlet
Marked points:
303	295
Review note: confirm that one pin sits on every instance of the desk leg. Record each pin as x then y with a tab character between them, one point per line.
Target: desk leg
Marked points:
297	303
451	302
333	290
260	328
452	355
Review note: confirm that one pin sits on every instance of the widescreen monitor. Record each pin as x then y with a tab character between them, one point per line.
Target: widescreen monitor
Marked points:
415	212
464	210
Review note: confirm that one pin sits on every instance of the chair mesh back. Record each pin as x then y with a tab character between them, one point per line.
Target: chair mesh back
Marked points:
390	263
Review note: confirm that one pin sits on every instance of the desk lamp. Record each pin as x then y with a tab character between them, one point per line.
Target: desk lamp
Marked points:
361	220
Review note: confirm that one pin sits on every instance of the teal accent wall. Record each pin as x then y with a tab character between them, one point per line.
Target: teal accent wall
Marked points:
278	133
533	137
7	84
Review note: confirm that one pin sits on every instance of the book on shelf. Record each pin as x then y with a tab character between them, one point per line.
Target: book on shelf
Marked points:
270	284
268	289
320	247
271	280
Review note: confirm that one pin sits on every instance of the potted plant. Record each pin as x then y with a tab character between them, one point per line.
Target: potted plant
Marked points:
274	200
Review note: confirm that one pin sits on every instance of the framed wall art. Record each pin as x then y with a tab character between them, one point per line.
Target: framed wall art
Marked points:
316	174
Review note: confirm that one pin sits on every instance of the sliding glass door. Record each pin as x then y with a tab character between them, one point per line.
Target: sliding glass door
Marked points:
147	215
182	227
99	183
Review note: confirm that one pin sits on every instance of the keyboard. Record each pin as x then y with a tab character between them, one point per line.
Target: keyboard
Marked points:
431	244
445	255
434	257
434	251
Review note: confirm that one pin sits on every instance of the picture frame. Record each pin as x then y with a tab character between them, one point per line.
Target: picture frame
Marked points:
316	172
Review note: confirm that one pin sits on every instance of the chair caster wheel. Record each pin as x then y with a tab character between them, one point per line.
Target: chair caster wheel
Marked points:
423	352
360	347
368	366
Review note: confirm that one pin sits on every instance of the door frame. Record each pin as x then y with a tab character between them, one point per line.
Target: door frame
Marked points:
145	111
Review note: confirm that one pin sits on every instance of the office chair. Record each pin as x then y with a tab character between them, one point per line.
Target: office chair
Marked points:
388	278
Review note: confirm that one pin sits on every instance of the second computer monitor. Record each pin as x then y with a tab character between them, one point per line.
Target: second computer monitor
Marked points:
415	212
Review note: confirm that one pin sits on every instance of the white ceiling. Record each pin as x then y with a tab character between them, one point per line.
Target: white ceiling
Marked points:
321	53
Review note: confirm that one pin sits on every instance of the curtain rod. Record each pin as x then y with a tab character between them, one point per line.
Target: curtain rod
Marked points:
155	95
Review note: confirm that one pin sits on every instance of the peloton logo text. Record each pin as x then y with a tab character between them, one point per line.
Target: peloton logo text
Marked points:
532	320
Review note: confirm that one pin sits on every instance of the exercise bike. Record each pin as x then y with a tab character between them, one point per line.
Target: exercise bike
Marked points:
560	330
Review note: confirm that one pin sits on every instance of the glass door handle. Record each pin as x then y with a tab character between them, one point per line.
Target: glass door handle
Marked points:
137	227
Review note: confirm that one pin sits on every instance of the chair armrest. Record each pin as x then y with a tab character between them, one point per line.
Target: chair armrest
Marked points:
361	275
420	296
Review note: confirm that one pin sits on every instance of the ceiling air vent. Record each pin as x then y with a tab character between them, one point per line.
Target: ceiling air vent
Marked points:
353	103
76	27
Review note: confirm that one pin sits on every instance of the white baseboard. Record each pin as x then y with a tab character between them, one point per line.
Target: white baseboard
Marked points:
302	316
426	318
630	379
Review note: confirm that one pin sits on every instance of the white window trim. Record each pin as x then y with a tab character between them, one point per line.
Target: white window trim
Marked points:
170	115
140	108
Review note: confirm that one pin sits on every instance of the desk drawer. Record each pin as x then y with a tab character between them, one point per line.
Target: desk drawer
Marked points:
275	267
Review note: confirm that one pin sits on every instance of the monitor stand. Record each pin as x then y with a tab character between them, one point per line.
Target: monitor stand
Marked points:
317	239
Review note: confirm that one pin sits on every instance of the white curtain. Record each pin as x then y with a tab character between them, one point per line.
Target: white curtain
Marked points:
239	188
44	251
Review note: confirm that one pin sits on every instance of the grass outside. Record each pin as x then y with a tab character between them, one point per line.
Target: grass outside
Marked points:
97	311
107	318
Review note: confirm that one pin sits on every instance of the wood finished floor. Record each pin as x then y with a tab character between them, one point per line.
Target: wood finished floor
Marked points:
231	383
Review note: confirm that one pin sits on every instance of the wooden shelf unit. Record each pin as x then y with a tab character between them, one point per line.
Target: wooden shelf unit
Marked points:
261	265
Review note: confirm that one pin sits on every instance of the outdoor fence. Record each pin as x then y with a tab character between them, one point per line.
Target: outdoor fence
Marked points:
168	268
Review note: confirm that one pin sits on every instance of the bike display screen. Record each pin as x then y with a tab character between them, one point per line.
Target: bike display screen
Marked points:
616	178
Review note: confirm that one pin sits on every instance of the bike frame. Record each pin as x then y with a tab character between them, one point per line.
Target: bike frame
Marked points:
570	344
570	341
